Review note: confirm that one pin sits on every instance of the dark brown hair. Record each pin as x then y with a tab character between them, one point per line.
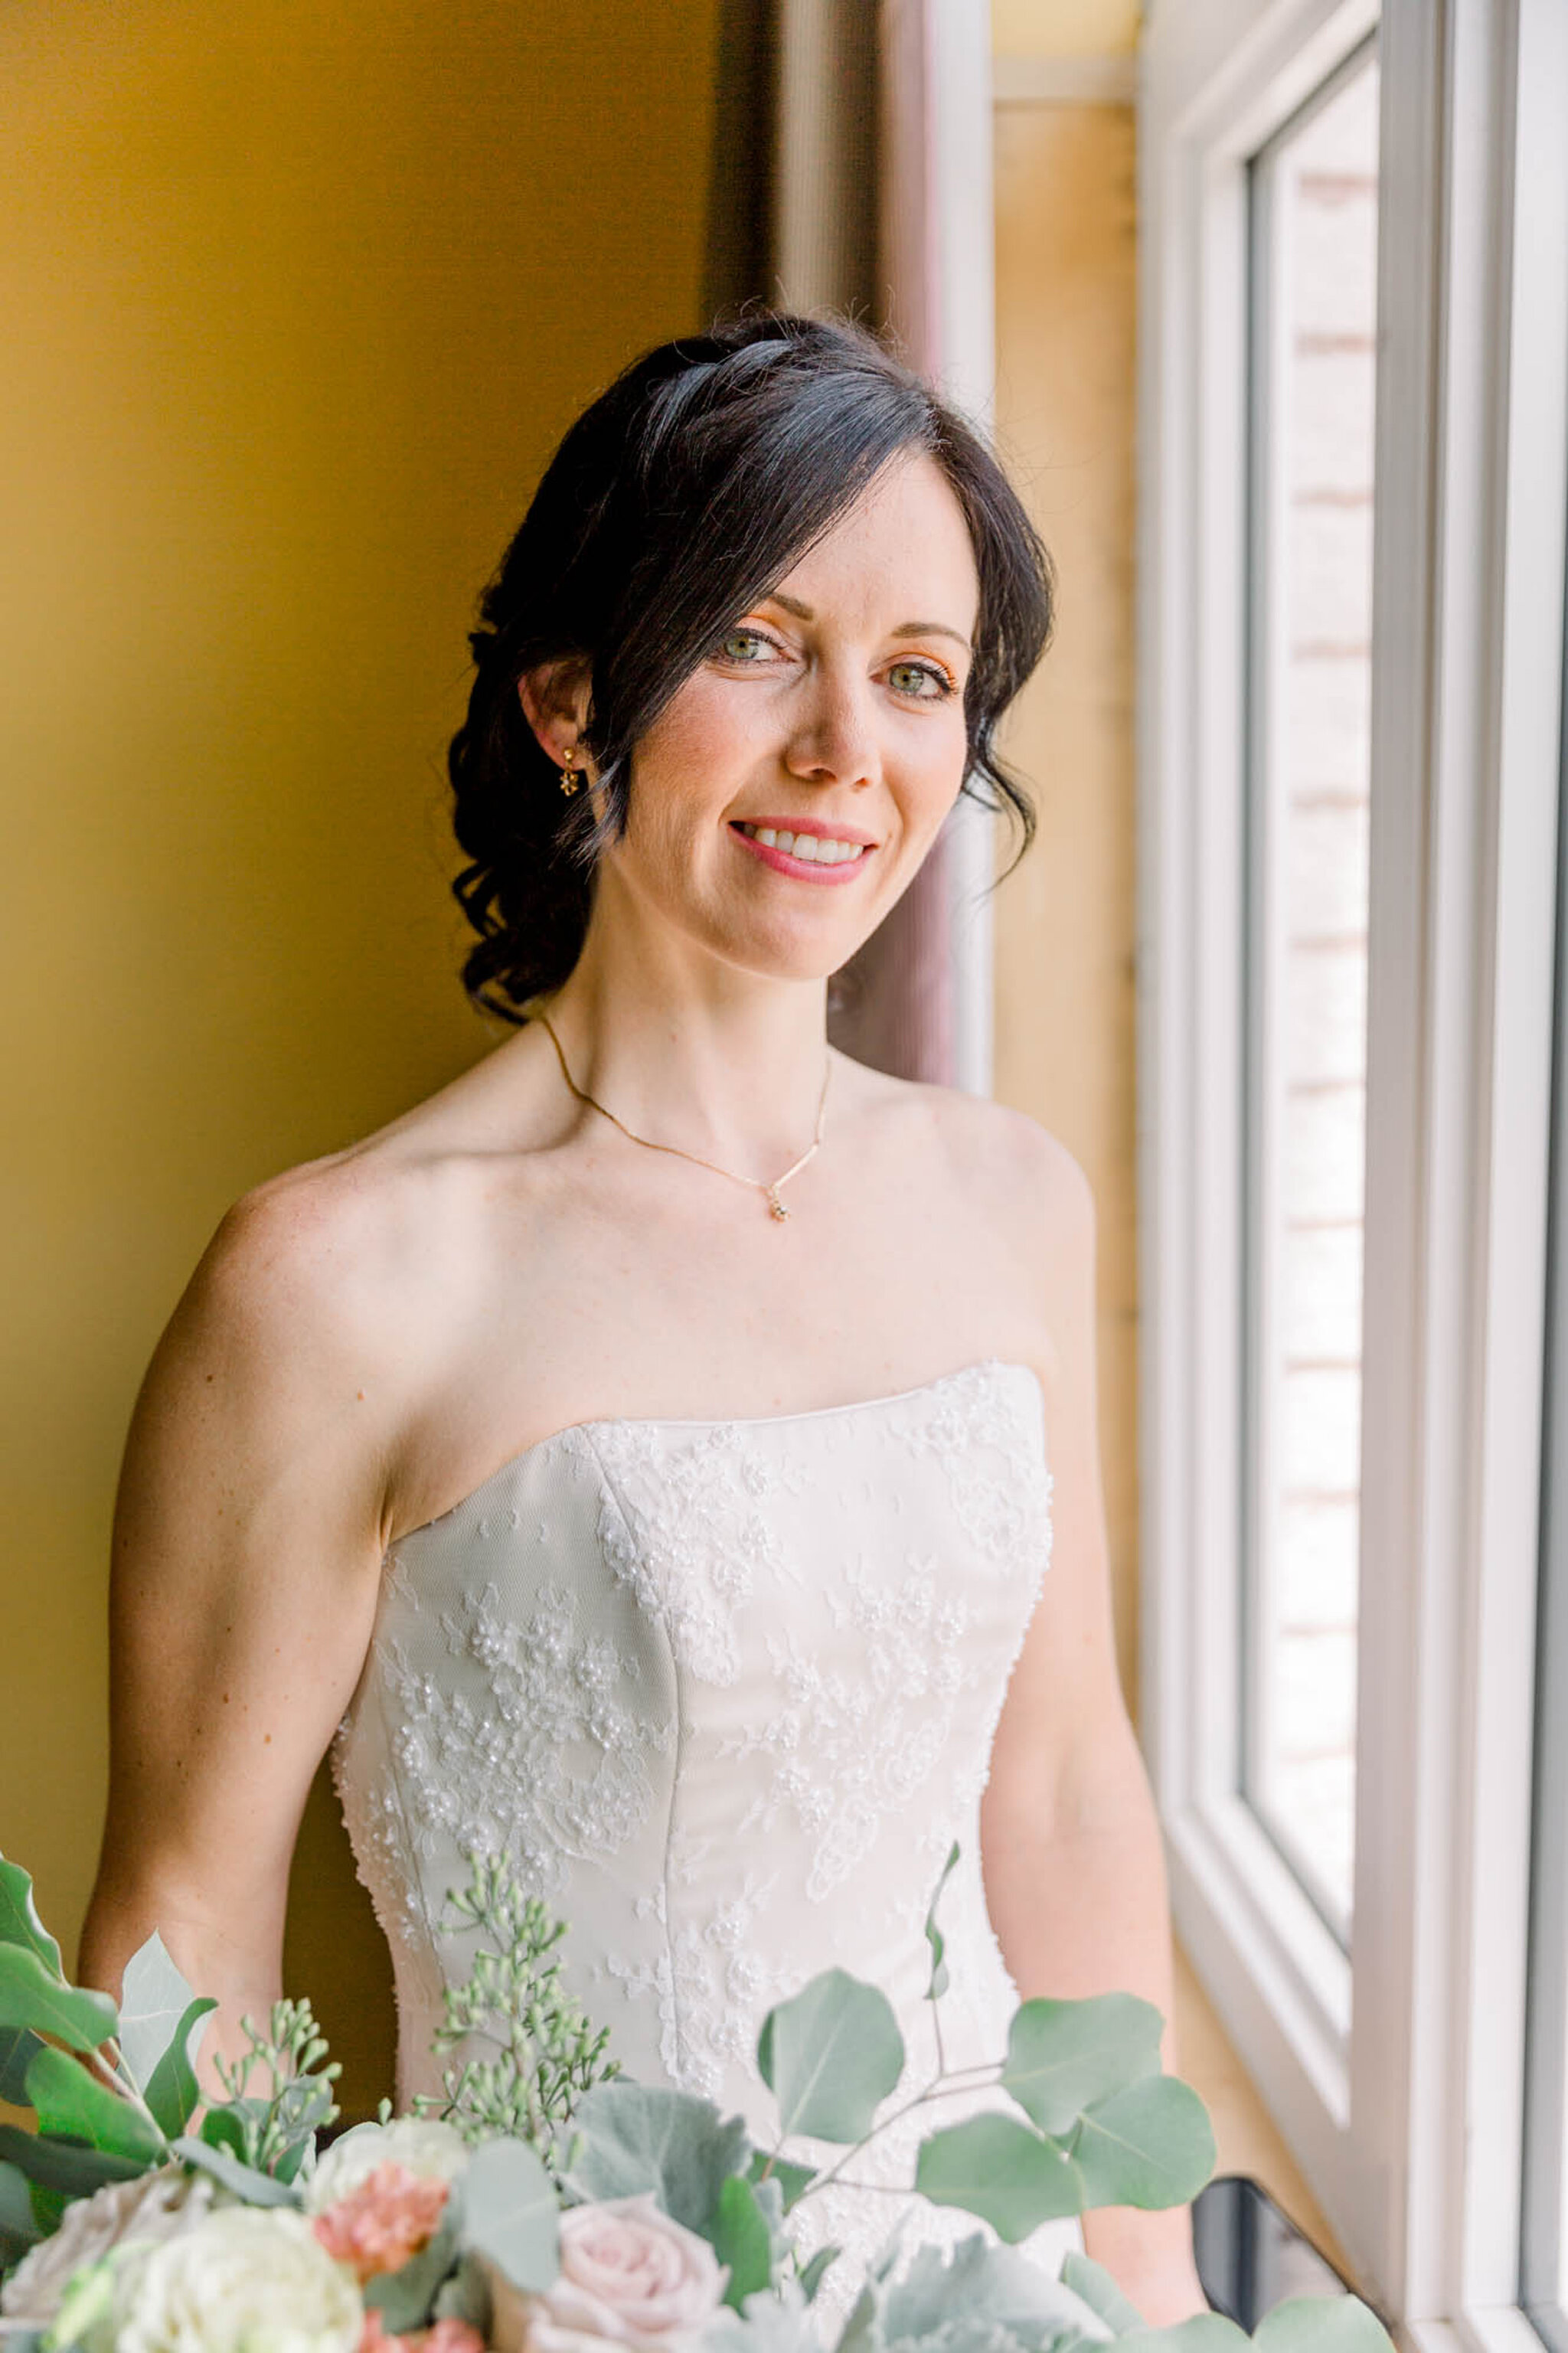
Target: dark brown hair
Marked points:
678	499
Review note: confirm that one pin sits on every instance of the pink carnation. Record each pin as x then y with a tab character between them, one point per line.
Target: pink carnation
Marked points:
389	2217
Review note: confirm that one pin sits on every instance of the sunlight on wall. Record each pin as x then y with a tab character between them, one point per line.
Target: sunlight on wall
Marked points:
298	299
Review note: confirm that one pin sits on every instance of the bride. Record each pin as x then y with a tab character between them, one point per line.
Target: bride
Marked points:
646	1457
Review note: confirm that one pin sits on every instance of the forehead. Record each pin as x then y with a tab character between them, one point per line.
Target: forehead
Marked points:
903	543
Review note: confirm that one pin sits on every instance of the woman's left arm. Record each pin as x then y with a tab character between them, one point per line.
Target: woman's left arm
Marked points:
1071	1851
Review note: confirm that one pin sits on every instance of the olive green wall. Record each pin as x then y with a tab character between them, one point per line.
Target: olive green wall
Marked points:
297	298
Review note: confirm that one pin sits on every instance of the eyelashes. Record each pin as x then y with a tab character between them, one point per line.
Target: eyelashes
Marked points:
941	679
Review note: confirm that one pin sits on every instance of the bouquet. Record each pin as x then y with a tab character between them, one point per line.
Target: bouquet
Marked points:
548	2203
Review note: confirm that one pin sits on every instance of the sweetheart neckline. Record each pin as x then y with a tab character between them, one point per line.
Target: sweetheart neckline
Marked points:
716	1421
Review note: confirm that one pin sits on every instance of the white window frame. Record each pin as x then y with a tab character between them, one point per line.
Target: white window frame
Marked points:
1397	2076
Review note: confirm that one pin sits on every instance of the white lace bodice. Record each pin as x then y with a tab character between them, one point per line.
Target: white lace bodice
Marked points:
725	1693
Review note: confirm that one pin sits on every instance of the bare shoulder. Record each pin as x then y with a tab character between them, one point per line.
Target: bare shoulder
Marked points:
1001	1158
291	1341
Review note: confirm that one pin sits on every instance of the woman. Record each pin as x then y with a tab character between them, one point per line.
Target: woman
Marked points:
636	1453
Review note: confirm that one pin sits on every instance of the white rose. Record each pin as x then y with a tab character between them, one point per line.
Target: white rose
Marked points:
156	2205
247	2279
427	2149
629	2277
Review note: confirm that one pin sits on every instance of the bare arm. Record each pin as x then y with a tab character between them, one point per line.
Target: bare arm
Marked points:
246	1548
1074	1862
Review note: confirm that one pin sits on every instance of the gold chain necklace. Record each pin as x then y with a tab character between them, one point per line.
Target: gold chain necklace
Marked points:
775	1206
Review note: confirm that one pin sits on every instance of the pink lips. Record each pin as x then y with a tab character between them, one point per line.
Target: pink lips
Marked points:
806	868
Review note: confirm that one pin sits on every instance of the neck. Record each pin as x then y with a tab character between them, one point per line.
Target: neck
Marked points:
691	1052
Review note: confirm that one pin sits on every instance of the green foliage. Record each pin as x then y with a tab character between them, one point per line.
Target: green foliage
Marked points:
68	2168
1320	2324
75	2105
18	2224
1005	2171
1094	2283
830	2056
1062	2056
32	1996
933	1933
267	2130
643	2137
742	2240
792	2179
18	2044
244	2180
19	1921
1150	2146
511	2212
547	2053
977	2281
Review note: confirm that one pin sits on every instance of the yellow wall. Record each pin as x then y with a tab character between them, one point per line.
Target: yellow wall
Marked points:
1066	255
297	298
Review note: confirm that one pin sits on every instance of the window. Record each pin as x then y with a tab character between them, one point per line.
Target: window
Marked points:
1312	207
1349	803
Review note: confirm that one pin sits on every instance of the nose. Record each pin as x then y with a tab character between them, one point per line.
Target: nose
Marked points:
834	740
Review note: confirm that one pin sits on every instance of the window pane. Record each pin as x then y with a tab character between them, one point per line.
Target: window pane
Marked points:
1543	2265
1314	355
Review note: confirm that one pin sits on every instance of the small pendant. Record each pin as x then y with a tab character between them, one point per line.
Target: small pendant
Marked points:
775	1206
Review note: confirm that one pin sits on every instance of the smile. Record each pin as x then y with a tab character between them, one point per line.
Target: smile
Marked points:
815	857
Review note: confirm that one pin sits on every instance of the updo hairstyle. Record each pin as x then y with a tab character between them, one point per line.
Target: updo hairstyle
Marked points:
679	498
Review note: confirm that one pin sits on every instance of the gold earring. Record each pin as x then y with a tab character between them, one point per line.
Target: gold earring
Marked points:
570	780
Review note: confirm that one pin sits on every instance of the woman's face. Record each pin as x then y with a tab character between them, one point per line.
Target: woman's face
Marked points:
834	707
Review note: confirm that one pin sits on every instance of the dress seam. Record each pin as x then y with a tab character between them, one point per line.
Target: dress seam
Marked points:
656	1618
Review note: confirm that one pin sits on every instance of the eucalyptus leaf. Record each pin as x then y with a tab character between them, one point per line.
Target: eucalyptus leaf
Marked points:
792	2179
25	2340
30	1995
18	2224
465	2294
990	2284
1205	2332
71	2102
510	2214
1095	2284
1005	2171
404	2297
173	2093
1064	2057
741	2240
255	2189
19	1921
812	2273
647	2137
1321	2324
830	2055
154	2001
73	2168
933	1934
1150	2146
18	2044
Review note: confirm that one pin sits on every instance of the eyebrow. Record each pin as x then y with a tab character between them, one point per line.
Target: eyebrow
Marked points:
905	628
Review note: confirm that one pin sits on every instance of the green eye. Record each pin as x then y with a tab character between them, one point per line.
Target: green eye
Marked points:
741	638
932	685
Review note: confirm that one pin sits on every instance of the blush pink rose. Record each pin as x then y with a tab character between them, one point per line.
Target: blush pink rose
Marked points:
629	2277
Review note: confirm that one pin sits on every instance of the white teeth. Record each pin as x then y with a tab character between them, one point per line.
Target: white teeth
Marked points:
816	849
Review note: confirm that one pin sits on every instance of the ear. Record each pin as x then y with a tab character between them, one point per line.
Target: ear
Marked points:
554	698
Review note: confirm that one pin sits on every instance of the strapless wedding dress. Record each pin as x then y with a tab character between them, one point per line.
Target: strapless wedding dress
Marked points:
724	1692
